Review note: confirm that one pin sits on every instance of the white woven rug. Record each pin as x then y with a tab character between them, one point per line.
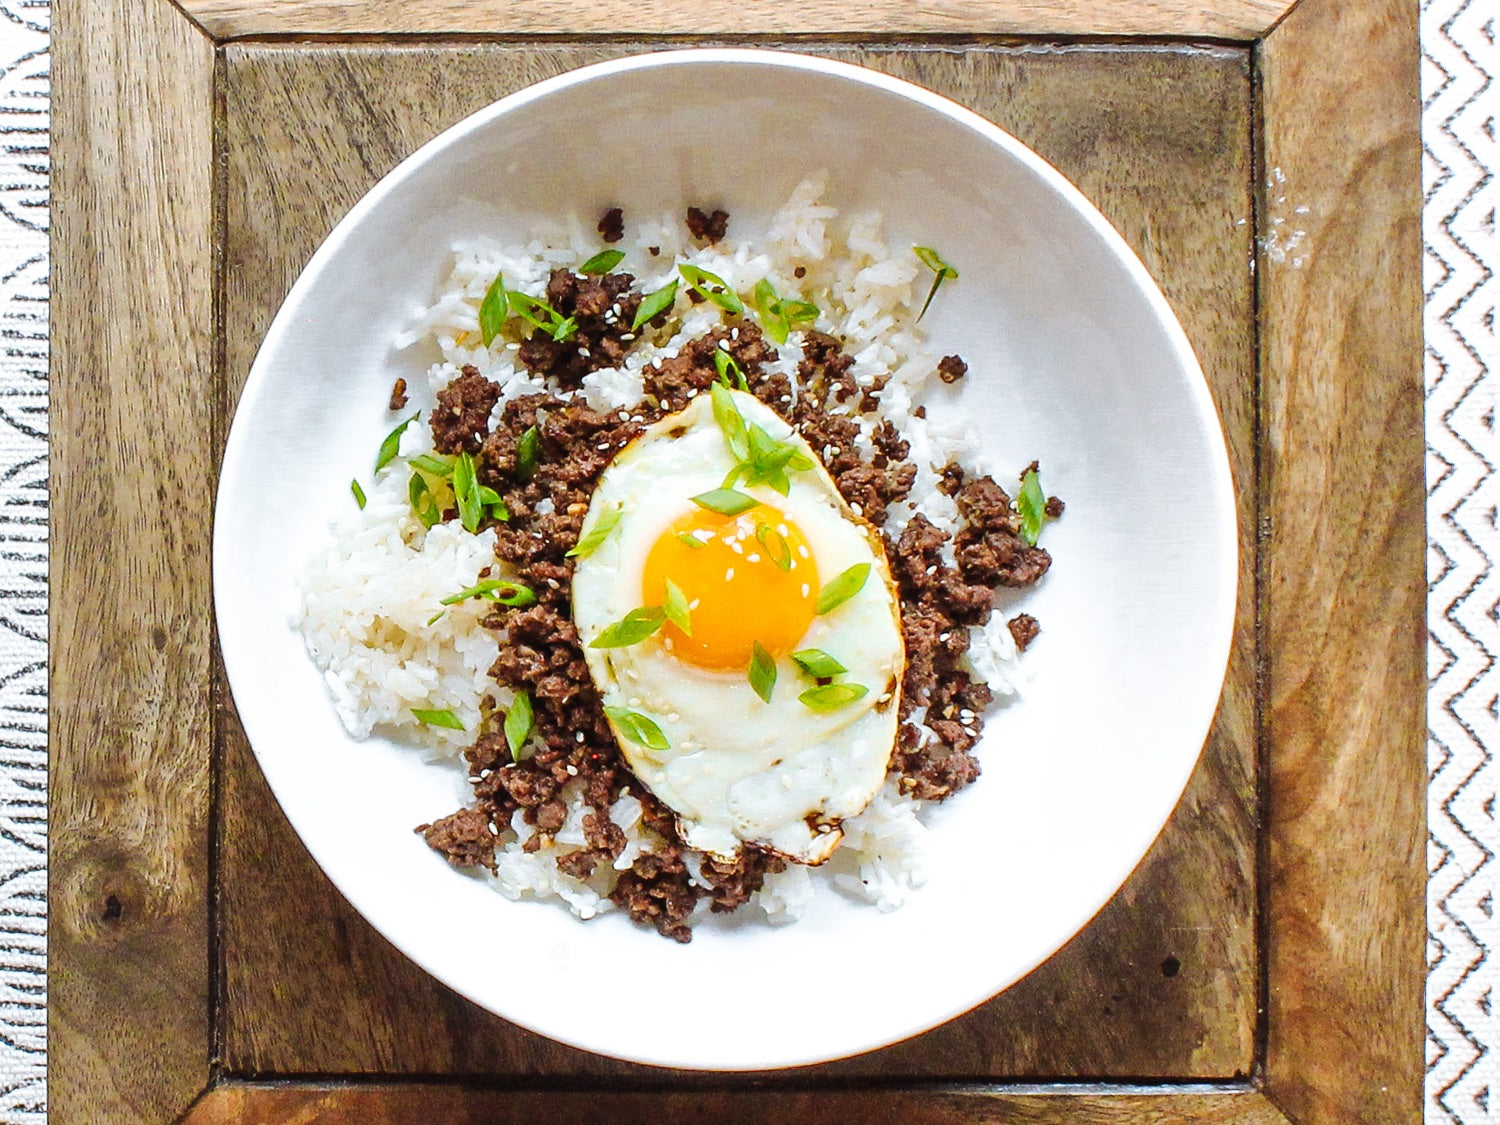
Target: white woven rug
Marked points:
1460	99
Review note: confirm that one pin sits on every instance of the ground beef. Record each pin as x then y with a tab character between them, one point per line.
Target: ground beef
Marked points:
462	416
1023	630
1053	507
612	225
464	837
603	307
398	395
672	383
658	891
707	227
542	655
952	368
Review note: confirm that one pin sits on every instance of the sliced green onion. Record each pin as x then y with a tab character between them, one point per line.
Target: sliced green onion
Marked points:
777	316
941	272
725	501
528	452
540	315
842	588
493	311
710	286
654	304
466	493
638	728
730	421
519	723
603	262
511	594
691	540
631	629
818	664
1032	505
359	494
432	464
423	503
830	697
437	718
729	372
762	672
596	535
492	503
436	617
392	443
778	550
675	606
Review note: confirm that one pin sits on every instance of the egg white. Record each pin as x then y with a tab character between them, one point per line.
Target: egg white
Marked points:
740	770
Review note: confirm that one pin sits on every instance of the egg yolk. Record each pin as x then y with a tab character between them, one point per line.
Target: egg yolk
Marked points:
746	578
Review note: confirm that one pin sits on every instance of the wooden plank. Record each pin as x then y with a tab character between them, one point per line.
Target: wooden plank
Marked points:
248	1104
1163	983
132	458
1241	20
1342	359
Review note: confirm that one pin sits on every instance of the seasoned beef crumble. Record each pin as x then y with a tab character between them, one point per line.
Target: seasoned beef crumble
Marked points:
542	652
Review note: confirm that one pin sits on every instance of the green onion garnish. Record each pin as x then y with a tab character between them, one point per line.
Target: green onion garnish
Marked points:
654	304
603	262
842	588
638	728
528	452
730	421
437	718
436	617
423	503
725	501
466	493
1032	505
511	594
711	286
830	697
519	721
762	672
777	316
596	535
941	272
540	315
777	549
493	311
691	540
818	664
675	606
432	464
631	629
729	372
392	443
359	494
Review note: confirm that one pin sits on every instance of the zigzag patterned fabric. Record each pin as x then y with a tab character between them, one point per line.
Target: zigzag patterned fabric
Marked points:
1461	104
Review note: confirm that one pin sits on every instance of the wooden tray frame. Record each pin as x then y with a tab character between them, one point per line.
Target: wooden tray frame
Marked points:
136	339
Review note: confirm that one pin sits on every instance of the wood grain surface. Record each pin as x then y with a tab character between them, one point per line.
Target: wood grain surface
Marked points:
1344	565
1164	982
1241	20
237	1103
131	461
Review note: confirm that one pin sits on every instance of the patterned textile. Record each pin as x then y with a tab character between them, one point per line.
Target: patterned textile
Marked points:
1462	365
1459	120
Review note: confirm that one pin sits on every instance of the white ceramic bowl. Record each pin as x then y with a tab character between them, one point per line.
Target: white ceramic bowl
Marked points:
1077	360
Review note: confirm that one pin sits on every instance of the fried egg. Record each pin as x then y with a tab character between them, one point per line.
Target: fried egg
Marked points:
725	596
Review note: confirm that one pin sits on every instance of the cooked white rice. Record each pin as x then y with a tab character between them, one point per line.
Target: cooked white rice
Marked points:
370	596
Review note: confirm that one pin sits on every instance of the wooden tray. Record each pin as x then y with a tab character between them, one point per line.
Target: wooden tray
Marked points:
1264	963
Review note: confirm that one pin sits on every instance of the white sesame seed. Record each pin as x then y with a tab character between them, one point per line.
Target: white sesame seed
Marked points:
729	575
493	830
579	736
804	552
695	603
734	333
584	352
572	771
627	337
806	589
752	558
782	530
932	569
553	583
943	637
736	547
857	509
603	445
